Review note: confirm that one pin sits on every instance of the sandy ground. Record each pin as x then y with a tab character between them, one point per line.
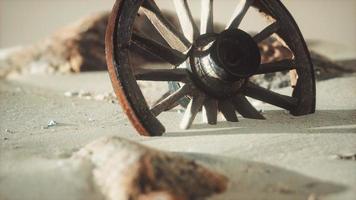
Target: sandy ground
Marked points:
283	157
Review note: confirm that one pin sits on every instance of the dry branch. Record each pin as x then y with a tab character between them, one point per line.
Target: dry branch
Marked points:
125	170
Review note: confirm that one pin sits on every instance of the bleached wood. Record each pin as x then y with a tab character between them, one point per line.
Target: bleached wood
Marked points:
192	110
190	29
266	32
207	16
293	74
239	13
172	99
164	52
121	169
174	38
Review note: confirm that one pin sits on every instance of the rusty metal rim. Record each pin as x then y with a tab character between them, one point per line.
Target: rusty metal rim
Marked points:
133	105
305	90
130	96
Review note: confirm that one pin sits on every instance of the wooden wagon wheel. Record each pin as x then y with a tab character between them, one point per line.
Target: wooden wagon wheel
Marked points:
214	69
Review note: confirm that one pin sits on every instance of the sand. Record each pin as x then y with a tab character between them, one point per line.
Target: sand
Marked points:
283	157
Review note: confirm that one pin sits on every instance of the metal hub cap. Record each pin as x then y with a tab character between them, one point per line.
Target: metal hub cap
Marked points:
236	53
210	72
221	63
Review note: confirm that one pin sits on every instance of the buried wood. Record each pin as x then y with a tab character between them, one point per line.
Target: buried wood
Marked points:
212	64
127	170
66	51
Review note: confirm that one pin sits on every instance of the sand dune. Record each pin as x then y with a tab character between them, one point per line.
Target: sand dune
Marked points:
283	157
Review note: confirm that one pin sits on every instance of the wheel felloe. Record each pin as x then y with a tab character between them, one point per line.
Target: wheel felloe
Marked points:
218	75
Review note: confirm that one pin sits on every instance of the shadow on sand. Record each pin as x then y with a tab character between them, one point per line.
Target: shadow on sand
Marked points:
323	121
254	180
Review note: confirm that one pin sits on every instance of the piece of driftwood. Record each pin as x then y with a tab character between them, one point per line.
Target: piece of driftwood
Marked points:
76	48
124	170
80	47
272	50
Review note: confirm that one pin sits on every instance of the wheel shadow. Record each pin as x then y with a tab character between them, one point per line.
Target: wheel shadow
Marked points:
278	121
254	180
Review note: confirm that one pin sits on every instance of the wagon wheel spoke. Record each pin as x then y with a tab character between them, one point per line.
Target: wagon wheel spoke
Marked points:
278	66
168	102
178	74
190	29
165	95
267	32
273	98
174	38
245	108
210	111
228	110
239	13
192	110
207	17
168	54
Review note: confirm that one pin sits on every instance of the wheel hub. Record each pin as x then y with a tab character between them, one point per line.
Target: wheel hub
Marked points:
221	63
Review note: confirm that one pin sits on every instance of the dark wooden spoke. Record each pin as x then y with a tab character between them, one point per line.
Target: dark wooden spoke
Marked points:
254	91
267	32
168	54
207	17
210	111
165	95
239	13
190	29
245	108
162	75
173	37
179	42
168	102
192	110
228	110
278	66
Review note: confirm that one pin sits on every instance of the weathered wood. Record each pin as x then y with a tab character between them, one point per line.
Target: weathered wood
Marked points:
59	53
293	75
121	74
122	170
192	110
239	13
190	29
162	74
245	108
277	66
210	111
159	50
72	49
171	100
228	110
273	98
173	37
266	32
207	16
302	102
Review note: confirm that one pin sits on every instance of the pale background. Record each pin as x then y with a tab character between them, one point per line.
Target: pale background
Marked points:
26	21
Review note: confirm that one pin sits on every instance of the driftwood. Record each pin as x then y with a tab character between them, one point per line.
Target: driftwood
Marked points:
80	47
73	49
125	170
